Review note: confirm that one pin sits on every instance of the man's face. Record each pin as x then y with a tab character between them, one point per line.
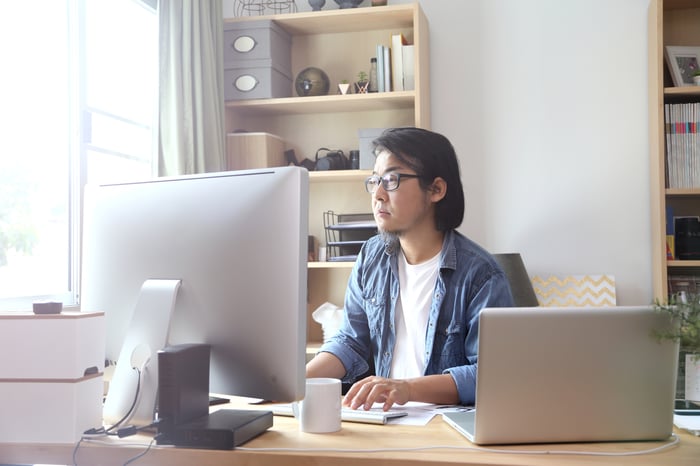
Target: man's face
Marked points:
404	208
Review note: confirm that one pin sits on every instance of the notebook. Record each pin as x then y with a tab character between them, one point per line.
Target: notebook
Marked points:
571	374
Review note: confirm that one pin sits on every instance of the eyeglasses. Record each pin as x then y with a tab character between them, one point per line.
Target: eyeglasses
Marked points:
390	181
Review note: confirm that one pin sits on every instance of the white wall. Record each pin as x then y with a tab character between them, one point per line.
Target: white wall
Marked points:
546	104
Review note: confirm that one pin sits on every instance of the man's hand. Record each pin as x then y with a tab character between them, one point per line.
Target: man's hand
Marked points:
439	389
364	393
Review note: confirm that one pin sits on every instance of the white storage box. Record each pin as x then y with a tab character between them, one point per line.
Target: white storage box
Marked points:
51	370
254	150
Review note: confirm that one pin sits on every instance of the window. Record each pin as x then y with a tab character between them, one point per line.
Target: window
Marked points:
79	105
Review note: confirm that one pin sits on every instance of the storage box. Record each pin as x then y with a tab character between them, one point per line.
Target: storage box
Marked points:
257	80
367	135
257	40
51	369
254	150
46	411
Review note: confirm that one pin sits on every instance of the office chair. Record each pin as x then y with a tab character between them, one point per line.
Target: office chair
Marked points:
520	284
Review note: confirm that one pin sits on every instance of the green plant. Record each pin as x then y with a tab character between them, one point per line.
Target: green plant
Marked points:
361	76
344	81
687	313
696	72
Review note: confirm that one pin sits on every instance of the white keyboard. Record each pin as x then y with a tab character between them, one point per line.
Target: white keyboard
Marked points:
373	416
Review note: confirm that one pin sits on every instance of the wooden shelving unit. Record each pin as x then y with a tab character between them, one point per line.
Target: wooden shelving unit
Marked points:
670	22
340	42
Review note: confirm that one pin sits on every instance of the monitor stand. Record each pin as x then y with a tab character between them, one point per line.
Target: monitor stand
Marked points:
147	333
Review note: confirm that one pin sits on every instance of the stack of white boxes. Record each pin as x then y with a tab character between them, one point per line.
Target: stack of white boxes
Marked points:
51	369
257	61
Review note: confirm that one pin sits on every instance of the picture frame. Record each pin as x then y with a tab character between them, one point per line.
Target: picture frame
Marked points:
682	62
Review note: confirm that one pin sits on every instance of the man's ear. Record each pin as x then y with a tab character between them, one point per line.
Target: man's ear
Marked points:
438	189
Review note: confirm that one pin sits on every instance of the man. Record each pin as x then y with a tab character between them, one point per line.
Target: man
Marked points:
414	296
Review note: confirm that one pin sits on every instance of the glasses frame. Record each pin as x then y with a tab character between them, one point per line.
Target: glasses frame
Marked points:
384	181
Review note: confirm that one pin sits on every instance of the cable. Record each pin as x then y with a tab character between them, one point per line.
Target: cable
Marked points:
133	404
148	448
129	461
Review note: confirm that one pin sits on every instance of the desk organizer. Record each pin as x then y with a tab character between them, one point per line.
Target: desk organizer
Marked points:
346	233
51	370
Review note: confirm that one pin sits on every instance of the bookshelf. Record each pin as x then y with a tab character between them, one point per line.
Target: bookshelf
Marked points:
670	22
340	42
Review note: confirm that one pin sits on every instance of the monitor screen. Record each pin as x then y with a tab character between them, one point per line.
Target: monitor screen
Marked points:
237	243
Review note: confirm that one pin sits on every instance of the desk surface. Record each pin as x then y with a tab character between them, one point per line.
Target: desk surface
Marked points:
345	448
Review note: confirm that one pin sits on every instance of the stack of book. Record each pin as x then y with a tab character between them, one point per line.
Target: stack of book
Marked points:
682	145
395	65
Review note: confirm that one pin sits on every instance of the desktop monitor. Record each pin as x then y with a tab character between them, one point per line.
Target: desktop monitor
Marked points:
235	244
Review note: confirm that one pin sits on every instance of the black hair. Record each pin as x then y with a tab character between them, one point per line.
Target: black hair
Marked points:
430	155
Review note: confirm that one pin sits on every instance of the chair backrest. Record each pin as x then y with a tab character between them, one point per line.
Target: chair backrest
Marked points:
520	284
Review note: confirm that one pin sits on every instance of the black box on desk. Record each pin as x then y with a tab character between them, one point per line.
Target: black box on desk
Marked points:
221	430
183	384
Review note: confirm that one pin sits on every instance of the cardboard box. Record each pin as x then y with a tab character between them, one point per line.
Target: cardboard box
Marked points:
254	150
51	376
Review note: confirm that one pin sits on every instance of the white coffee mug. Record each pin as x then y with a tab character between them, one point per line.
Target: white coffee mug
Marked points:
319	411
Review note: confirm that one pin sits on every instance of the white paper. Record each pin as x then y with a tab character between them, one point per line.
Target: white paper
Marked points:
689	423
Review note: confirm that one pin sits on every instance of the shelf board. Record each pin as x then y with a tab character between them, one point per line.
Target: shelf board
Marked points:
330	265
325	104
341	20
680	4
682	91
683	263
683	192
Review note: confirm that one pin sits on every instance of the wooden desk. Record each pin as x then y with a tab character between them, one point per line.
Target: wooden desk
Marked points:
285	434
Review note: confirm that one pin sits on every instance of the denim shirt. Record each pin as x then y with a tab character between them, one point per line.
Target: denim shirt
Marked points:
469	280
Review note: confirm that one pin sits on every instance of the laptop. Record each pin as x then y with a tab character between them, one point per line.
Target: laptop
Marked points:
571	374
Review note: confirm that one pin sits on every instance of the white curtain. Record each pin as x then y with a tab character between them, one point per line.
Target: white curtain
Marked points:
191	108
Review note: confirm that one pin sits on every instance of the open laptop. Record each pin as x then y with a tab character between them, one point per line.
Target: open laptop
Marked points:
571	374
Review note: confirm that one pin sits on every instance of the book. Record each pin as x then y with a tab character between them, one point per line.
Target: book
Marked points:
387	68
380	68
682	145
409	82
397	72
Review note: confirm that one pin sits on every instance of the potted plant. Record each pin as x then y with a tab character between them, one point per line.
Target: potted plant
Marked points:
696	77
362	83
343	86
685	309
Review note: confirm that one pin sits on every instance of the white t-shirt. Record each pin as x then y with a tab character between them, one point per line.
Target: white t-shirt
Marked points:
417	285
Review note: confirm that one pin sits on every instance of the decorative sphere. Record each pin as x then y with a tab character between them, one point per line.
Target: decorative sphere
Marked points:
312	81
